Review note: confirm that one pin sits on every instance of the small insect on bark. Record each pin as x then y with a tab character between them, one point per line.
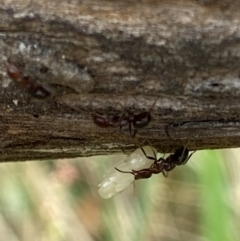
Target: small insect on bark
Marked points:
34	88
115	181
110	120
131	120
161	165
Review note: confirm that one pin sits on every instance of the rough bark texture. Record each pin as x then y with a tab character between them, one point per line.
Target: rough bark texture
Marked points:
115	57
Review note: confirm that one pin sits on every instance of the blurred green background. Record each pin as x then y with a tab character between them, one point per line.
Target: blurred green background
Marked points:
58	200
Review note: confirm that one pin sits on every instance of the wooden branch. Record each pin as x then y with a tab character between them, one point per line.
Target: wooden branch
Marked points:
117	57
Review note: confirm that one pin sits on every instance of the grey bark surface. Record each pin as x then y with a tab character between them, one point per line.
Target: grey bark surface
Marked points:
114	57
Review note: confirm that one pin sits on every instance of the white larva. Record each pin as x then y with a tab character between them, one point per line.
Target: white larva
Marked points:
115	181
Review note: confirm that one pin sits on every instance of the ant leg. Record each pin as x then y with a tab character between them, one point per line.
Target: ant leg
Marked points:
124	171
165	173
134	133
93	112
133	172
134	188
149	157
145	154
184	149
167	132
153	104
189	157
130	129
155	155
122	149
122	116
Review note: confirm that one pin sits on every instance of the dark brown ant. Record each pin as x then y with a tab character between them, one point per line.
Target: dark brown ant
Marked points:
110	121
180	157
35	89
136	122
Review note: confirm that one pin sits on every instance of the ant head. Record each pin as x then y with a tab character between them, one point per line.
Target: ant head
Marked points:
180	156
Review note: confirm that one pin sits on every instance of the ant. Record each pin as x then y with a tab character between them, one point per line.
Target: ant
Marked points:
136	122
35	89
180	157
115	181
110	121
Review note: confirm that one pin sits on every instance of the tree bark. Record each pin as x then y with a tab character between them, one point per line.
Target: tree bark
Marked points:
118	57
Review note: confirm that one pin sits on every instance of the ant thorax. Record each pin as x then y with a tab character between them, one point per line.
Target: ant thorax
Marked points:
115	181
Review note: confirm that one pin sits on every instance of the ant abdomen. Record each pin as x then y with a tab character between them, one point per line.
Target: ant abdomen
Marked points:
105	121
109	121
99	120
